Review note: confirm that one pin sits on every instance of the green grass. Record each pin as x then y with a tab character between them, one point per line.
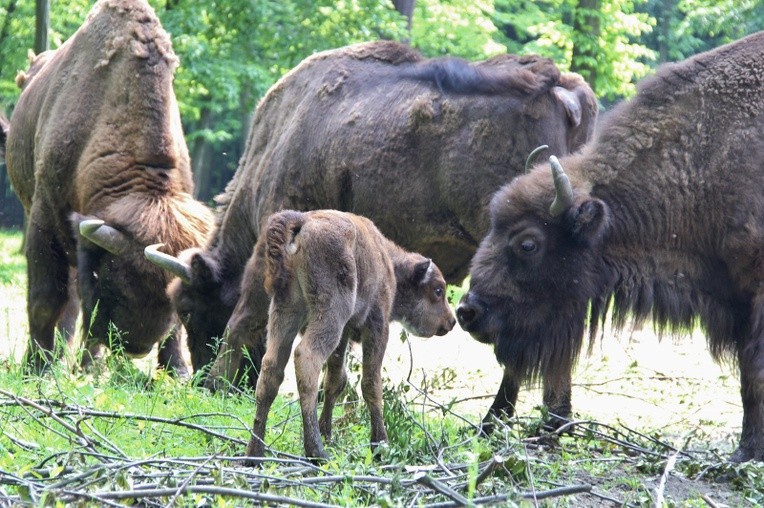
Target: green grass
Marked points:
128	430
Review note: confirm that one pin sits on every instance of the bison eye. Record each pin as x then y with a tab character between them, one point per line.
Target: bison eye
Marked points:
528	246
439	292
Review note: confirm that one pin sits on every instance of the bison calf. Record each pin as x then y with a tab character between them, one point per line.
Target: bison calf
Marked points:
334	276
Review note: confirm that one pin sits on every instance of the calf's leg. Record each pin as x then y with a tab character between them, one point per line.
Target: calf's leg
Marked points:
374	343
334	382
318	342
283	325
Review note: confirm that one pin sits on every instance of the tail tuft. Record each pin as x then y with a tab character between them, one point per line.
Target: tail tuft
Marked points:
280	233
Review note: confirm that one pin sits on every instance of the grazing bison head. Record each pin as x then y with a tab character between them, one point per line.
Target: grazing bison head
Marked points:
535	272
199	298
119	288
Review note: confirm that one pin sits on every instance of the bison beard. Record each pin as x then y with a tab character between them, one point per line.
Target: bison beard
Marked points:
660	217
347	129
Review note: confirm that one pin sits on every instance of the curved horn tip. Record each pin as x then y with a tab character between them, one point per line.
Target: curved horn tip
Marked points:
154	247
88	226
168	262
532	156
562	188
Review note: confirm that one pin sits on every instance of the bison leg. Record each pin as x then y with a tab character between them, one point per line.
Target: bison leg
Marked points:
503	406
751	445
557	394
170	354
245	332
283	326
68	320
47	296
318	342
374	343
334	382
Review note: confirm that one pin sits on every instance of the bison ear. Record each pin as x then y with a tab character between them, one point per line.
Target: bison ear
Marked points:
571	104
203	270
421	273
588	221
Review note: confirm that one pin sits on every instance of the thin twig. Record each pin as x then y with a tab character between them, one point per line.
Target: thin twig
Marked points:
710	502
496	461
441	488
664	479
561	491
206	489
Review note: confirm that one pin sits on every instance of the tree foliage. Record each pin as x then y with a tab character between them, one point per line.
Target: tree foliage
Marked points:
606	47
232	51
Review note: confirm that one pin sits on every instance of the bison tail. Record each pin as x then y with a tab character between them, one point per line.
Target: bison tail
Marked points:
454	75
280	233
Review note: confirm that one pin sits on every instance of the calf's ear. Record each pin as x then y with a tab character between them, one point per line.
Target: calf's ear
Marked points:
588	220
421	272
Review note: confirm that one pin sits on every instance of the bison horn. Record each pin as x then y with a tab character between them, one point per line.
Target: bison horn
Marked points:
562	188
170	263
104	236
532	156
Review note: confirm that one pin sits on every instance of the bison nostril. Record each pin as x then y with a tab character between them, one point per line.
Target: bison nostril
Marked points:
466	314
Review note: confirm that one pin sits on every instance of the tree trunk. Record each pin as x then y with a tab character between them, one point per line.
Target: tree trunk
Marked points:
6	28
201	157
586	27
665	23
42	22
405	7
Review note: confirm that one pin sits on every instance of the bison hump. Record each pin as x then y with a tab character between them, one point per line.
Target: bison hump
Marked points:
392	52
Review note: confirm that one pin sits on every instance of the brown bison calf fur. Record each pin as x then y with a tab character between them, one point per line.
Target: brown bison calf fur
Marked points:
660	217
97	157
333	277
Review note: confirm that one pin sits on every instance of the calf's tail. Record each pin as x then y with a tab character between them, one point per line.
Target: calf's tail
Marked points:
280	233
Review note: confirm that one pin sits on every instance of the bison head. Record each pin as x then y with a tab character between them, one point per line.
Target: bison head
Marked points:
420	298
119	288
199	298
535	272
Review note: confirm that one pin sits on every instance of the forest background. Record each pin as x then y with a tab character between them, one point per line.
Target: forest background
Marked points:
232	51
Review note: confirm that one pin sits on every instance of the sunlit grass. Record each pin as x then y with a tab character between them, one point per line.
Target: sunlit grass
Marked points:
127	426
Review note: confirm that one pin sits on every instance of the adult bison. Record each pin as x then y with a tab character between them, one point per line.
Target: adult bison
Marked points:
95	146
418	146
662	216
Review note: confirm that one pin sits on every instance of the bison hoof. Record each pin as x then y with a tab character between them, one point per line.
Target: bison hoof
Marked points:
745	454
217	384
559	425
254	461
491	422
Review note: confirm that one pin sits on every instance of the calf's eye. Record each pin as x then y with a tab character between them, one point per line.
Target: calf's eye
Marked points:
439	292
